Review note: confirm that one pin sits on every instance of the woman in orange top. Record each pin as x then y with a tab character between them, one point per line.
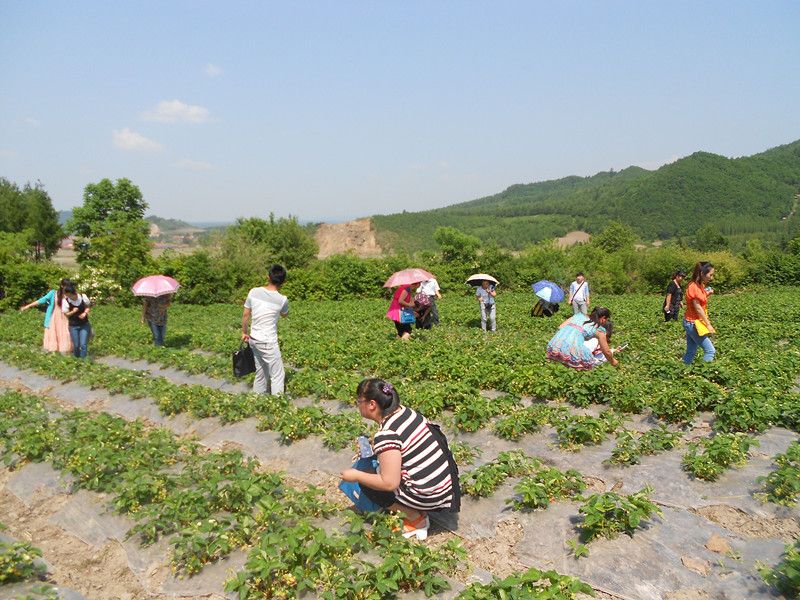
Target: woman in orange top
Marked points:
697	294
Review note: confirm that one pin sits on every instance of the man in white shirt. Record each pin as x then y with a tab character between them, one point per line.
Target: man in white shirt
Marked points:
430	288
579	295
262	309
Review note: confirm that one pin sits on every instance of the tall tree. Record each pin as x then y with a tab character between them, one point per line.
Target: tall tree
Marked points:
112	234
12	207
105	206
30	210
42	222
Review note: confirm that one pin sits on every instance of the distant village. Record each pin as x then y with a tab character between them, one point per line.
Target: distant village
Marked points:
162	240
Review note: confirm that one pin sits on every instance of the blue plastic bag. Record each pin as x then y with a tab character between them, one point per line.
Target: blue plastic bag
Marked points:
352	490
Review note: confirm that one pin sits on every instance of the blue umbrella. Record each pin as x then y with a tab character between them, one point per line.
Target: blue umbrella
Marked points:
548	291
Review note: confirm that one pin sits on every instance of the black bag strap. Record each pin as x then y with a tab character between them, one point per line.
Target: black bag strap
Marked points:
439	436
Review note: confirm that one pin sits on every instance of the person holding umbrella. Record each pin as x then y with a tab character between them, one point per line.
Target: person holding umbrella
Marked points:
485	293
154	312
157	291
401	309
549	295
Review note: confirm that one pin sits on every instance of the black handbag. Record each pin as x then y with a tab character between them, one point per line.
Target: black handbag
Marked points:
243	361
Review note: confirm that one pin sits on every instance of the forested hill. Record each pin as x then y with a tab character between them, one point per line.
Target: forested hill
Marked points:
753	195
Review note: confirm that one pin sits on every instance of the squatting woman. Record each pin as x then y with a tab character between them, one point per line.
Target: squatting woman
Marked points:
568	344
416	473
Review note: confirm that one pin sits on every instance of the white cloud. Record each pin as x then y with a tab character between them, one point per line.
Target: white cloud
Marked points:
194	165
130	140
33	122
173	111
213	70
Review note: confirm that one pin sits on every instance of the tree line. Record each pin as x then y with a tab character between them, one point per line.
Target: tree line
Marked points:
113	250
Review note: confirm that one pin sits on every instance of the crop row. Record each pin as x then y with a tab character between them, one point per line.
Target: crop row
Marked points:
336	343
207	503
705	460
276	413
210	503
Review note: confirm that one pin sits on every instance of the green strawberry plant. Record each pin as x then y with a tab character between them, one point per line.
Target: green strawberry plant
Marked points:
484	480
782	485
609	514
544	486
18	562
786	576
708	458
532	584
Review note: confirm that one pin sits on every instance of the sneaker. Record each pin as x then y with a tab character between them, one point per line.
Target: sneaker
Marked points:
417	528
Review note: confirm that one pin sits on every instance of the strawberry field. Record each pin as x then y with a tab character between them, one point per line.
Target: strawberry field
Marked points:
654	480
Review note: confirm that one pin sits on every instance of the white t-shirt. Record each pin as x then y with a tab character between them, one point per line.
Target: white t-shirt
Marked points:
67	304
580	291
266	308
428	287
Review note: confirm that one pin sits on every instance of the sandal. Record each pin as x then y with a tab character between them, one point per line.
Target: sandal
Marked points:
417	528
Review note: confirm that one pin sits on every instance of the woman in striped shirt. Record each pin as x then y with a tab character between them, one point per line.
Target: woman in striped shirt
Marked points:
417	473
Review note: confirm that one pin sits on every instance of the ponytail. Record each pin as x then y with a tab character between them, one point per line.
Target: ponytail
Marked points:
598	313
382	392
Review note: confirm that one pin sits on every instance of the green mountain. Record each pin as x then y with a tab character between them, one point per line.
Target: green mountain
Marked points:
168	225
748	196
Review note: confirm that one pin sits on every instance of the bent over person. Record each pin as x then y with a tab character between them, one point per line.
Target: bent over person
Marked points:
417	473
262	309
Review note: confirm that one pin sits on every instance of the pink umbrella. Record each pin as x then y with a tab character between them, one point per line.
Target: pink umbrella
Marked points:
407	277
155	285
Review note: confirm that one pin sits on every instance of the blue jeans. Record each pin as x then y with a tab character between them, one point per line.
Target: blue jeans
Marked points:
80	339
159	333
695	341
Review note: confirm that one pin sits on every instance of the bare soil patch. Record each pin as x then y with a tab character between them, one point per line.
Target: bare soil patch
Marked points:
572	238
353	236
496	554
94	572
740	522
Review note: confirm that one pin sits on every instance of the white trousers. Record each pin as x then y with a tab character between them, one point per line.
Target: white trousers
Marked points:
270	375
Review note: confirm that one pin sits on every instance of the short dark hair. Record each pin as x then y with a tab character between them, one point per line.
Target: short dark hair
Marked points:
580	274
277	275
380	391
678	273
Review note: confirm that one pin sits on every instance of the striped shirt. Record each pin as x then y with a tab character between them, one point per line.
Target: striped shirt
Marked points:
425	479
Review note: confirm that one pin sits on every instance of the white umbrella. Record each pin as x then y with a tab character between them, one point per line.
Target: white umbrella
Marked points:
478	277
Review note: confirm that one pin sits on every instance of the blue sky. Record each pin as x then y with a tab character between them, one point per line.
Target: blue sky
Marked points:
333	110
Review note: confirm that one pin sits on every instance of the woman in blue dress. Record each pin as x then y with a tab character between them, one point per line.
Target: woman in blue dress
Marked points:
568	344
